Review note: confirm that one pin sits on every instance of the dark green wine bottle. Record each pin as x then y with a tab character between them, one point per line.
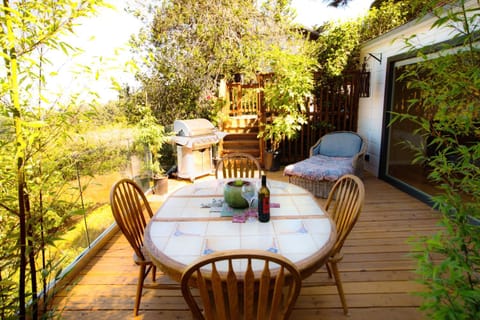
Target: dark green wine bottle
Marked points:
264	201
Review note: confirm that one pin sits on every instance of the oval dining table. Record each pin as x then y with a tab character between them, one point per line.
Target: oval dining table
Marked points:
193	221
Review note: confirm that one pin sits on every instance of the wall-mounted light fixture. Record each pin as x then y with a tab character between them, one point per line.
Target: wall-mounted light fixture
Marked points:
364	80
364	84
365	74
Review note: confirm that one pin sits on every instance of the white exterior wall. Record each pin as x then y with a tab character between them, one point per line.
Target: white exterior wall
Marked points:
371	109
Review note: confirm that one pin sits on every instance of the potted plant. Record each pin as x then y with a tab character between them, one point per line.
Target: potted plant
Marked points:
285	97
286	122
273	135
158	178
150	137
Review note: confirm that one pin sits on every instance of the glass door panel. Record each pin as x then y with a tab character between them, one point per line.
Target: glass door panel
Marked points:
402	140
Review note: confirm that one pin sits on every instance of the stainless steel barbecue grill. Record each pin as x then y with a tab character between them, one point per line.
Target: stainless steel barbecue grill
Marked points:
194	139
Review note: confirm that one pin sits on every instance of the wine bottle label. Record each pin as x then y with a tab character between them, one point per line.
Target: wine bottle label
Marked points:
263	208
266	205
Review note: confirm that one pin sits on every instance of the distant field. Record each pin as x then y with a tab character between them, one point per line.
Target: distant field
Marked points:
98	190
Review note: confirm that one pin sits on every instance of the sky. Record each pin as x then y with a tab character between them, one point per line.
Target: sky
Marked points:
103	40
107	34
316	12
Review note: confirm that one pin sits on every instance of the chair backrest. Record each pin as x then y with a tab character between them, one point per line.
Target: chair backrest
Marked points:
238	165
339	144
255	292
344	203
131	211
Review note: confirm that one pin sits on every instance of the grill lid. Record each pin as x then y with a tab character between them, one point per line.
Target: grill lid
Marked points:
196	142
196	133
193	127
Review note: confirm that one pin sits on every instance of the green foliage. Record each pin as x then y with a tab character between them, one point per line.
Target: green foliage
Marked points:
184	50
187	47
55	157
150	138
340	41
447	89
215	106
286	91
339	48
34	197
385	17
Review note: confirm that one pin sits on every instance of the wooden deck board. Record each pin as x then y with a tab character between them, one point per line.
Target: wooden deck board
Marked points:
377	271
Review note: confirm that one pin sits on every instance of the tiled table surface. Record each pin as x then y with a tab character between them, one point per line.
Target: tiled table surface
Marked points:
183	230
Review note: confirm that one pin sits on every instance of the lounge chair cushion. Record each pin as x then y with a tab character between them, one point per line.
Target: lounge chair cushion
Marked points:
321	167
343	144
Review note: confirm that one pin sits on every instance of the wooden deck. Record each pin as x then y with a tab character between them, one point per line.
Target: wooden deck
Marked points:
377	272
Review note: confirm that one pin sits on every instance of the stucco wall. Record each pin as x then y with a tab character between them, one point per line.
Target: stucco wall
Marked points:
371	109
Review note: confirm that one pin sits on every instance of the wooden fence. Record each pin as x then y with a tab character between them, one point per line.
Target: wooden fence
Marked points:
333	107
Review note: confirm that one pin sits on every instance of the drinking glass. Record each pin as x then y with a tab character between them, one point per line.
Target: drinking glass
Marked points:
249	193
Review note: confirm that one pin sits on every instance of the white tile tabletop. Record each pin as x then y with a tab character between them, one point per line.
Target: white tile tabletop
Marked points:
185	228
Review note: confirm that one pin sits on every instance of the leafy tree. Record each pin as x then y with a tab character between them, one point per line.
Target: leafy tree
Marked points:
183	49
286	92
30	137
339	47
380	3
385	16
187	47
340	41
447	88
411	8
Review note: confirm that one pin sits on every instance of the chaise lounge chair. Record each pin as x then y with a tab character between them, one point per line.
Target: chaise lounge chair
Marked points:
333	156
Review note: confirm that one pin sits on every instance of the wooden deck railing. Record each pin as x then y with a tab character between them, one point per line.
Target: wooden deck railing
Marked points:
243	99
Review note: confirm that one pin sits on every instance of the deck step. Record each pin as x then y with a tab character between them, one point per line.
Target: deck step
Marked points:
250	148
241	130
246	143
241	124
242	136
250	136
240	144
254	152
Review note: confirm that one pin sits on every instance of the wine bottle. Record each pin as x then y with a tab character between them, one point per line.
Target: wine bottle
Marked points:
264	201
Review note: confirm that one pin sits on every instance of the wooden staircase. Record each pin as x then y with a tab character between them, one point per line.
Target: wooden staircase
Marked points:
242	136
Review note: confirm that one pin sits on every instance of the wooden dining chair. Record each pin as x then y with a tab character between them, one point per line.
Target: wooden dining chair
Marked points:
344	203
132	211
238	165
242	294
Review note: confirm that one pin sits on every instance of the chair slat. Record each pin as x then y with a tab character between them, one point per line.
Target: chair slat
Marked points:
277	290
218	294
232	289
238	165
205	295
248	288
263	292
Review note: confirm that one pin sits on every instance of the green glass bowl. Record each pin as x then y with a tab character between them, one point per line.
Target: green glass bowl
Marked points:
232	194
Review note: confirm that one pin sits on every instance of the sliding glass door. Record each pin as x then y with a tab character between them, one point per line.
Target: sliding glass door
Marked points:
401	144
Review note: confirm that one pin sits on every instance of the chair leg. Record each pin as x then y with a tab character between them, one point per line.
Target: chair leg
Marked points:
328	270
138	296
338	282
154	273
